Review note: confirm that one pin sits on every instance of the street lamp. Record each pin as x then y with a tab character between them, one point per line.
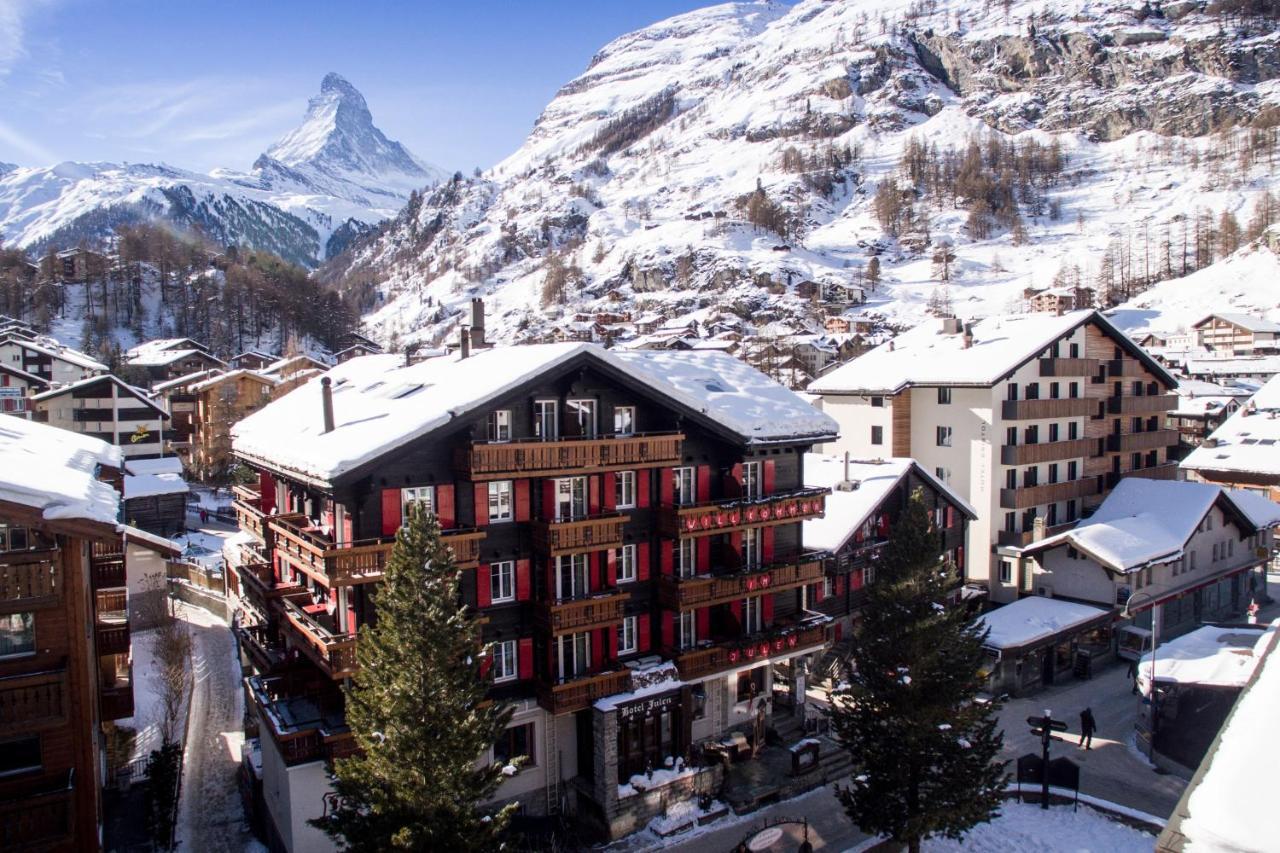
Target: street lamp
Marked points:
1125	613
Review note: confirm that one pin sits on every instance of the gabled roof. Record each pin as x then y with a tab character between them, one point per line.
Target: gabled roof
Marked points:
159	358
180	381
1150	521
1246	442
55	470
67	354
848	511
1030	621
29	378
1247	322
926	356
240	373
137	393
381	405
150	348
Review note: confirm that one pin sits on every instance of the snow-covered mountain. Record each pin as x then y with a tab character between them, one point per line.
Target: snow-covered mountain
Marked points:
305	199
727	156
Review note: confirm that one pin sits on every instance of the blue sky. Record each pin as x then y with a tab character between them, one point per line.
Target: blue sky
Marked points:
200	84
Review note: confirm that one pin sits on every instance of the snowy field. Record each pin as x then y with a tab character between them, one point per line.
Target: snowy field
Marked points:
1023	827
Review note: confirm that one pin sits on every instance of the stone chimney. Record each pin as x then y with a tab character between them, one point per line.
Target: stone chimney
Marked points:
326	401
968	335
477	324
464	341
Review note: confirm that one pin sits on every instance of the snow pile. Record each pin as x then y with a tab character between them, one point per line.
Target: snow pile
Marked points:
55	471
673	772
1208	657
684	814
1024	826
1029	620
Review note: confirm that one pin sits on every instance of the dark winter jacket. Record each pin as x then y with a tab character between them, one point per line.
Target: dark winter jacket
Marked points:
1087	724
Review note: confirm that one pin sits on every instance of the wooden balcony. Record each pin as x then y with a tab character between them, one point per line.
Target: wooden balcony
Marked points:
1069	366
116	701
582	692
113	639
1030	496
1150	440
779	641
250	516
597	611
107	572
1049	451
304	727
335	653
257	580
515	459
1035	410
42	819
561	538
1163	471
1153	404
33	702
688	593
30	579
264	649
1026	537
727	516
1125	367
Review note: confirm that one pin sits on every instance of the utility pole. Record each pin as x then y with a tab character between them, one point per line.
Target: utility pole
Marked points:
1045	727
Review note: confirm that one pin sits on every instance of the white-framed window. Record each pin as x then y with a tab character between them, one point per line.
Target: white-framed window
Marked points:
421	496
944	436
502	581
573	654
828	586
686	558
942	474
751	484
624	420
571	498
868	575
572	577
626	563
944	396
505	666
752	616
1006	571
580	417
683	486
627	636
546	419
17	634
500	501
751	540
624	489
500	425
688	630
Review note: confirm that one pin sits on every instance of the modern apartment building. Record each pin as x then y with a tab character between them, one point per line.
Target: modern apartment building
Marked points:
1032	418
1238	334
109	409
628	525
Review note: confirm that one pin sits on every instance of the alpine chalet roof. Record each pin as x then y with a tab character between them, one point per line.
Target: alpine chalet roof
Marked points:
1246	442
55	471
137	393
1247	322
56	350
380	404
925	355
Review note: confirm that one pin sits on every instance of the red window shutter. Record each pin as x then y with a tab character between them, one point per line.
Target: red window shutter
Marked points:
668	556
326	515
595	572
666	487
735	607
611	569
960	557
839	632
551	579
642	488
733	483
768	467
704	554
704	483
857	579
817	593
766	545
486	665
348	528
522	580
951	516
593	495
482	504
735	545
883	524
612	634
522	500
548	500
524	657
642	632
597	648
840	581
766	608
703	618
267	488
610	497
668	629
446	508
642	561
351	620
484	592
390	511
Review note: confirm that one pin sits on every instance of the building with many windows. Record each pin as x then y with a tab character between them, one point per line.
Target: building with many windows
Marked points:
628	525
1242	452
1032	418
107	408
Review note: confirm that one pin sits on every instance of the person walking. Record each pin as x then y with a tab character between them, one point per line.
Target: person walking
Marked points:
1087	727
1132	675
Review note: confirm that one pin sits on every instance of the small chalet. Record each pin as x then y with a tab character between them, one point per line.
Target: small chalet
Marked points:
80	265
1034	642
170	359
49	360
1242	452
355	351
180	401
155	495
106	408
1238	334
223	400
253	360
1202	408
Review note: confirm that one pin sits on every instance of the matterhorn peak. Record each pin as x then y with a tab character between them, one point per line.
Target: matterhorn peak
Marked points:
334	84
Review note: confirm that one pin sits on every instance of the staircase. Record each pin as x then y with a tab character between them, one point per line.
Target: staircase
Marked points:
828	668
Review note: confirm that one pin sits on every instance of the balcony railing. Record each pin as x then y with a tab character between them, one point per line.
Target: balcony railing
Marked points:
1050	451
774	642
1124	367
560	538
1069	366
580	693
304	727
335	653
687	593
727	516
33	702
30	579
597	611
1149	440
263	648
39	820
113	639
1026	537
117	701
1062	407
1048	493
1152	404
1163	471
256	579
250	516
108	572
499	461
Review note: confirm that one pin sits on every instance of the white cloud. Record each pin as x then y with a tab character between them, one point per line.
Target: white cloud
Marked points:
13	31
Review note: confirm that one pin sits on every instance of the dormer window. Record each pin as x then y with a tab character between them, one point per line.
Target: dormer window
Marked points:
500	425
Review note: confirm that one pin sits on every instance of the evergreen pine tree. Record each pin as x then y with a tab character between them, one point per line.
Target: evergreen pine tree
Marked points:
924	752
418	711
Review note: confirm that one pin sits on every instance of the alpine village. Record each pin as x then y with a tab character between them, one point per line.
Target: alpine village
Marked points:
844	425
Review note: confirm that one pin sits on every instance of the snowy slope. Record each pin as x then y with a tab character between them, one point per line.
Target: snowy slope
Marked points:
637	173
305	199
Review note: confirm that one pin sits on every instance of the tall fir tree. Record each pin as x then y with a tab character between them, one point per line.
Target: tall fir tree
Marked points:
418	710
924	753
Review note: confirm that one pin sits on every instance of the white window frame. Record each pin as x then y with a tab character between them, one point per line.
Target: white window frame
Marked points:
502	581
569	647
624	420
574	568
944	434
686	558
752	484
624	490
752	616
506	667
628	642
944	396
1005	569
416	495
625	562
577	493
576	407
828	586
501	501
500	426
684	486
544	427
751	547
687	629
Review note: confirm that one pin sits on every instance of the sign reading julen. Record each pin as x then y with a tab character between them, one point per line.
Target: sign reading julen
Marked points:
648	707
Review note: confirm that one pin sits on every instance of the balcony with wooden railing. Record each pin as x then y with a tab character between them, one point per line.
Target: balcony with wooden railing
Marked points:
1029	496
111	621
32	702
603	608
1049	451
1069	366
258	581
1149	440
1125	367
108	572
577	536
332	651
40	817
777	641
116	699
707	590
264	649
248	508
534	458
1162	471
1151	404
304	726
1026	537
579	693
30	579
733	514
1061	407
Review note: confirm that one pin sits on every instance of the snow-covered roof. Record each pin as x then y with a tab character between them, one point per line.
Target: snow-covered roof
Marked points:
240	373
163	465
1250	365
1210	656
151	348
1247	322
1248	441
132	390
190	378
380	404
160	358
67	354
1150	521
55	471
151	485
279	365
847	511
146	539
925	355
1231	805
1030	620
